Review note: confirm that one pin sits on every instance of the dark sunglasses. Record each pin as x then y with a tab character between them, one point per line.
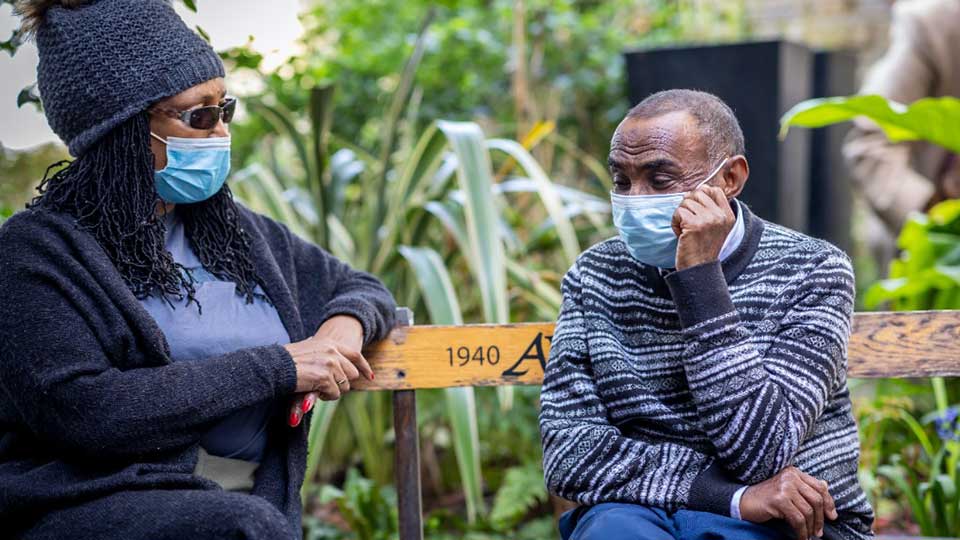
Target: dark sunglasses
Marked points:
206	117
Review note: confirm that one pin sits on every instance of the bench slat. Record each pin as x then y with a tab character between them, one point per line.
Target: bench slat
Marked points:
883	344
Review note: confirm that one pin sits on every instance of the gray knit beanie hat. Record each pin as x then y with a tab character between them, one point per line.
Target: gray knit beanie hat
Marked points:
104	61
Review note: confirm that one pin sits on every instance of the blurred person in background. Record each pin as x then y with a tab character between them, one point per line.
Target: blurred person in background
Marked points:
895	179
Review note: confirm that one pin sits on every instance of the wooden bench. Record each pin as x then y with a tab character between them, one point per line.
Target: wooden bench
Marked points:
882	345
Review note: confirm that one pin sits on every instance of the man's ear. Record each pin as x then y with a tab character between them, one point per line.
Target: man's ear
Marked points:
734	176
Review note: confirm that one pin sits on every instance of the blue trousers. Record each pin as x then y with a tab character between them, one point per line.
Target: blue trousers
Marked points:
621	521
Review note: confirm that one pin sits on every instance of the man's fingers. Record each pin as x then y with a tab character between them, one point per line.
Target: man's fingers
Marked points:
691	203
680	217
703	197
694	211
719	196
675	223
713	199
815	499
797	520
808	513
829	506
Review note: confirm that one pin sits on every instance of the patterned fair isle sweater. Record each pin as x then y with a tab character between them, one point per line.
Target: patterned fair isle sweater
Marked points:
674	392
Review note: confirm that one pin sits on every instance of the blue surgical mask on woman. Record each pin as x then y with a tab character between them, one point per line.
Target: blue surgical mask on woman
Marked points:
196	168
645	224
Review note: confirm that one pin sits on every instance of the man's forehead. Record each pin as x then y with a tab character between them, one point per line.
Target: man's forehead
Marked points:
675	124
673	133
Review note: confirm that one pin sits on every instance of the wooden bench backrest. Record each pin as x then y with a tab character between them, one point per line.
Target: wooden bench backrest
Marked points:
883	344
890	345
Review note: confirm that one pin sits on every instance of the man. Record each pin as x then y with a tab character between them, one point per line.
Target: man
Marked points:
696	386
896	179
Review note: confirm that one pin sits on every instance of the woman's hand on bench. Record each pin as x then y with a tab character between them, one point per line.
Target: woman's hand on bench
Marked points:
327	362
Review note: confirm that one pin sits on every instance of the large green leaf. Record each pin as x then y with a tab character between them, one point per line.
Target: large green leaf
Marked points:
486	255
321	117
897	475
259	189
441	301
486	258
548	195
415	178
390	128
936	120
319	429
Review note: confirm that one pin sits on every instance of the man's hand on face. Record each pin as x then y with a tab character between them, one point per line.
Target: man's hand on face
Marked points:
796	497
702	223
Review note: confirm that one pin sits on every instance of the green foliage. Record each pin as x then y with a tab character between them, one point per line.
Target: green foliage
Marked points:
569	69
29	95
21	172
929	119
368	508
522	489
927	273
928	478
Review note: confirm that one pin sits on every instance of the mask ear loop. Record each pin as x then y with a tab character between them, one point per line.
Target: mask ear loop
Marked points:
708	178
157	137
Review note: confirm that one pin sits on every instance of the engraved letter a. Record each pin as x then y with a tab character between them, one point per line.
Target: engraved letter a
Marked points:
534	352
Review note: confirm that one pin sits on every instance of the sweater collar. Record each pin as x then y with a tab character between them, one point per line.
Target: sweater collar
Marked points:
735	236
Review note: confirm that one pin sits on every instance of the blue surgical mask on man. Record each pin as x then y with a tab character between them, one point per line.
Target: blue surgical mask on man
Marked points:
196	168
645	224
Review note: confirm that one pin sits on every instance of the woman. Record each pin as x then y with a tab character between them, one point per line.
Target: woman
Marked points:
159	344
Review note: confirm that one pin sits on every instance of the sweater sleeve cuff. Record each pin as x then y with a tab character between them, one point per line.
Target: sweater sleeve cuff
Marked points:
278	359
712	492
357	310
700	293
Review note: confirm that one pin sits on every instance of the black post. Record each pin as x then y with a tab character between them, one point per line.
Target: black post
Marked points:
407	457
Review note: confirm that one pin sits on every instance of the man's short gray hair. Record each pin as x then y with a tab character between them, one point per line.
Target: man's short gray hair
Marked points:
720	128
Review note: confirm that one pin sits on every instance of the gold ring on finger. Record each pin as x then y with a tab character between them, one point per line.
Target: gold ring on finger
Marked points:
341	382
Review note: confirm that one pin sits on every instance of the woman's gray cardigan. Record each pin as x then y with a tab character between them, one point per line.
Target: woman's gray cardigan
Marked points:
90	402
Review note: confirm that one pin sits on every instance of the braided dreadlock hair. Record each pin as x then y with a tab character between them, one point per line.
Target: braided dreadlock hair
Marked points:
110	191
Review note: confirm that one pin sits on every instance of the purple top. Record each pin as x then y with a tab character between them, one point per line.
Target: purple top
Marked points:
227	323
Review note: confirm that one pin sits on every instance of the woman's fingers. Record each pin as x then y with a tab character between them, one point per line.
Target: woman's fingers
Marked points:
308	402
300	407
329	390
356	357
340	376
296	412
349	369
